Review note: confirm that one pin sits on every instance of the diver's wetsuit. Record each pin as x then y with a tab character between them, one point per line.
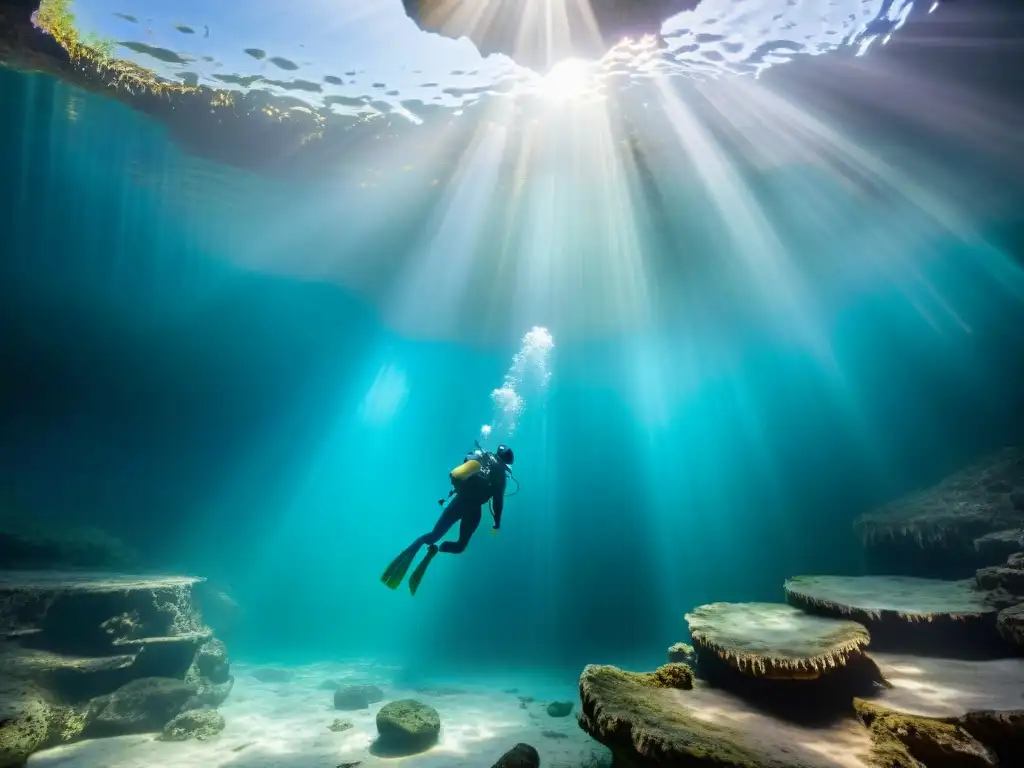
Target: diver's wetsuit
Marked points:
467	506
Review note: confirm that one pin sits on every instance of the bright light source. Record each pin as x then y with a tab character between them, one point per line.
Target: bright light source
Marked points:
567	79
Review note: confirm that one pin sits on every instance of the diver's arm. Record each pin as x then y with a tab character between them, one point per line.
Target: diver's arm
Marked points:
499	500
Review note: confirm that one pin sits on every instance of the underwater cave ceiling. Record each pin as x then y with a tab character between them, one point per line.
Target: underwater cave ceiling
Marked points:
520	28
279	134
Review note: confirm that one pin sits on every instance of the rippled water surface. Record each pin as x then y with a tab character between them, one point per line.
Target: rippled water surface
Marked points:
604	195
367	55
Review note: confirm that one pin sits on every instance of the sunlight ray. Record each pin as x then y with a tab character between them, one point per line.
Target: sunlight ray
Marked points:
766	264
438	282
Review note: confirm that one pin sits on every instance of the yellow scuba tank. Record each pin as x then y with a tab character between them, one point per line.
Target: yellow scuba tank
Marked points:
464	471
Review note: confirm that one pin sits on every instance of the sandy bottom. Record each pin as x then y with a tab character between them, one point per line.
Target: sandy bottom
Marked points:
950	688
285	725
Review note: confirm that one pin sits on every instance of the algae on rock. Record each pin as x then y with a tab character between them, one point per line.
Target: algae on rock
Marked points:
635	716
682	653
144	705
406	726
908	741
198	724
94	654
31	720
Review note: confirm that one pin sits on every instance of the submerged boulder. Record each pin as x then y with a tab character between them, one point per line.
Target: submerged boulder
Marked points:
775	640
560	708
141	706
671	675
682	653
520	756
352	697
405	727
198	724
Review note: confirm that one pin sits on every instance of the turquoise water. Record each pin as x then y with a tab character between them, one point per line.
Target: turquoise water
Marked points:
265	381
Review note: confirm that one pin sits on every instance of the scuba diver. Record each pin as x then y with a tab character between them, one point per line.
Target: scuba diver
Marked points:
480	479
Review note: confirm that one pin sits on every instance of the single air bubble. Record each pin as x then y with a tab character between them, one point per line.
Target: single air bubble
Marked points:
485	431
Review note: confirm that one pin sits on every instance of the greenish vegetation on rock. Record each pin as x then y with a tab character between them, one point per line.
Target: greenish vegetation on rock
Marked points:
141	706
339	726
198	724
683	653
56	17
407	726
906	741
252	128
86	655
642	723
31	719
